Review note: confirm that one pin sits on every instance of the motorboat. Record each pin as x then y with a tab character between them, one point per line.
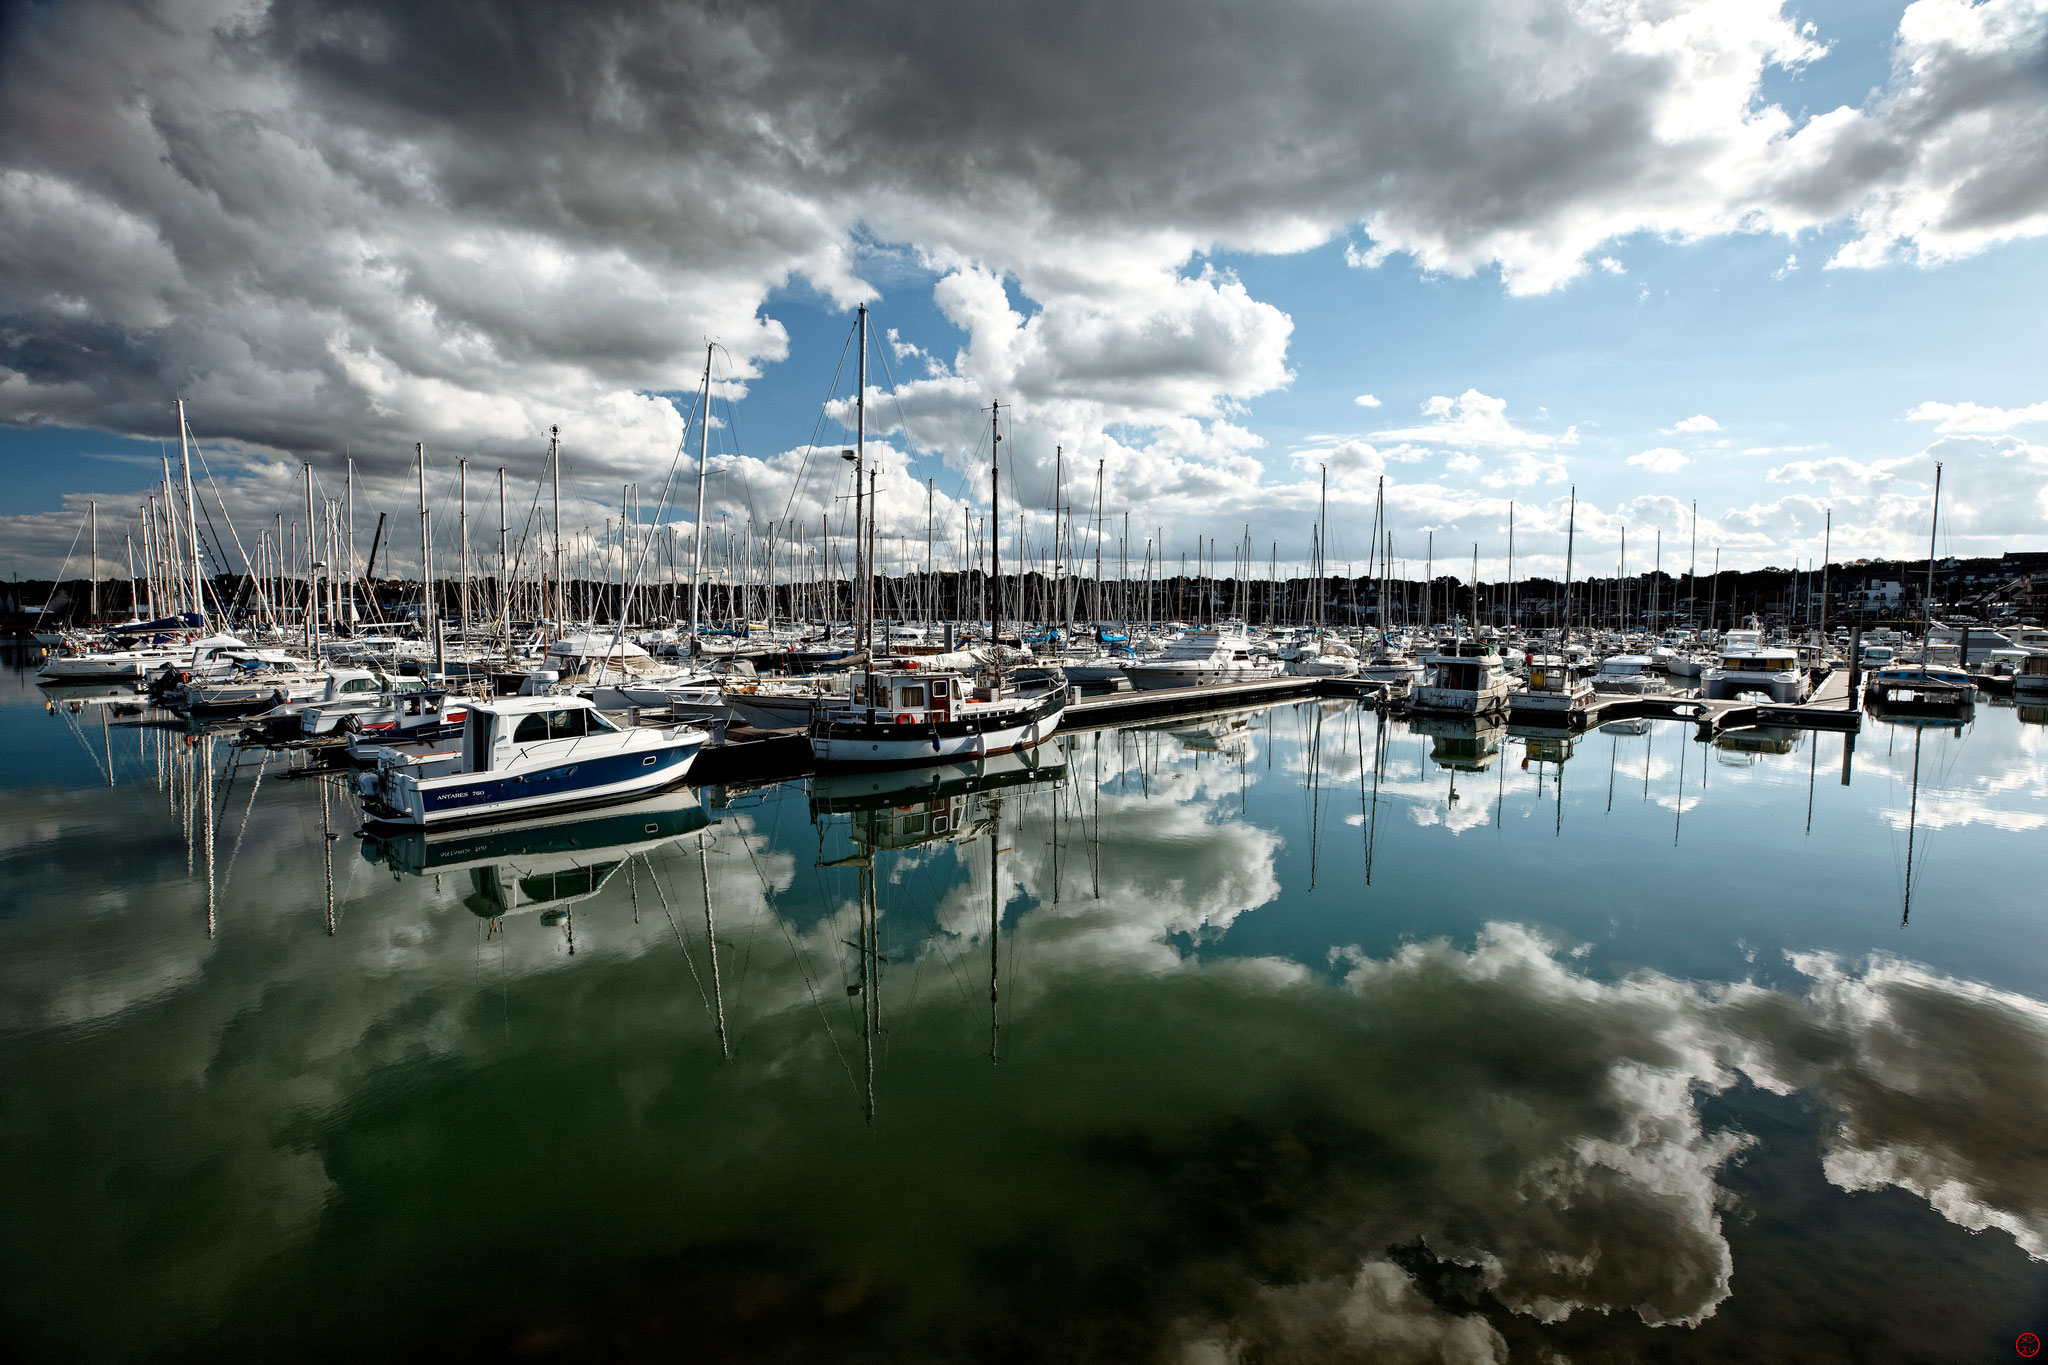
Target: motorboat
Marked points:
1920	684
893	717
110	665
2030	678
1329	657
349	692
530	754
1097	669
1201	658
1745	664
1631	674
1462	678
1553	688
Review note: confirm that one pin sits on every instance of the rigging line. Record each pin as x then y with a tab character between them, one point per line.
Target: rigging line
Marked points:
655	877
804	469
200	451
732	423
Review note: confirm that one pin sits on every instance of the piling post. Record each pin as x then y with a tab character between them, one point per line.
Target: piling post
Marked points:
1855	681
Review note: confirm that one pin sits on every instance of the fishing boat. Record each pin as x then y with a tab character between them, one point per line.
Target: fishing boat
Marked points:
521	755
895	717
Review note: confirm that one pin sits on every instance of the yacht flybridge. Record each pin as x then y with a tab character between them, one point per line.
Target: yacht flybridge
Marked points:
527	754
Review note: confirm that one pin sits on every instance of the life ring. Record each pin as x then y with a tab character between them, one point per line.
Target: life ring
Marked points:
905	718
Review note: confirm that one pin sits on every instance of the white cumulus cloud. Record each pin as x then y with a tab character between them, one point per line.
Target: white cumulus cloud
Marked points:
1662	460
1971	417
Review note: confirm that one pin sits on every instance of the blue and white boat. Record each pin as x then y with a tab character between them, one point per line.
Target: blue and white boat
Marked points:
524	755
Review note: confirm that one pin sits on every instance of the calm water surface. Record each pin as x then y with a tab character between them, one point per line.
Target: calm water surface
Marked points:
1285	1035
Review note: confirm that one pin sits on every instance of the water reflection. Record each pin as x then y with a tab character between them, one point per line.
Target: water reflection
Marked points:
1121	1055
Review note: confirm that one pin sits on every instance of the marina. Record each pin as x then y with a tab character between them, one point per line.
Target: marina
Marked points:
874	684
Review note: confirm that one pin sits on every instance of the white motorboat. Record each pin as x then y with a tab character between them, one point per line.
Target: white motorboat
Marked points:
1745	664
1201	658
530	754
1325	658
1462	678
2030	679
1554	687
1632	674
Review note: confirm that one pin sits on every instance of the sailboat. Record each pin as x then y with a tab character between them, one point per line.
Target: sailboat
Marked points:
891	717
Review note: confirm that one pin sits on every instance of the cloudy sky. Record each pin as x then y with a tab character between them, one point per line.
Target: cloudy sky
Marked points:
1767	257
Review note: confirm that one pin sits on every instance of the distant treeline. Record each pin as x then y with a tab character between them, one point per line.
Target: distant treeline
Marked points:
1648	599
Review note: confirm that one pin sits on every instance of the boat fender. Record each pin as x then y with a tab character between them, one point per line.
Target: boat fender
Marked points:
904	718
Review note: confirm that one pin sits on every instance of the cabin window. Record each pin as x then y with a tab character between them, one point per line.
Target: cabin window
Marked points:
911	698
566	724
360	685
532	729
938	688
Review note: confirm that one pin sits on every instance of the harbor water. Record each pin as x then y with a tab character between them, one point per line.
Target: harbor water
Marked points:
1290	1034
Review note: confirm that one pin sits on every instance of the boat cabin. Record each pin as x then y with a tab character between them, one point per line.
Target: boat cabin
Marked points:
911	695
496	732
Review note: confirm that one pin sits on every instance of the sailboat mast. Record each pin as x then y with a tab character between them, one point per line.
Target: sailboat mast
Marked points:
1322	543
864	627
462	544
1571	525
697	531
1933	524
1511	562
555	475
427	612
312	578
1098	545
192	518
995	519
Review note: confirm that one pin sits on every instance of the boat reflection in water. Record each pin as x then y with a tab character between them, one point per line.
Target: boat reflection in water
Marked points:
1463	746
906	808
1742	748
548	864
